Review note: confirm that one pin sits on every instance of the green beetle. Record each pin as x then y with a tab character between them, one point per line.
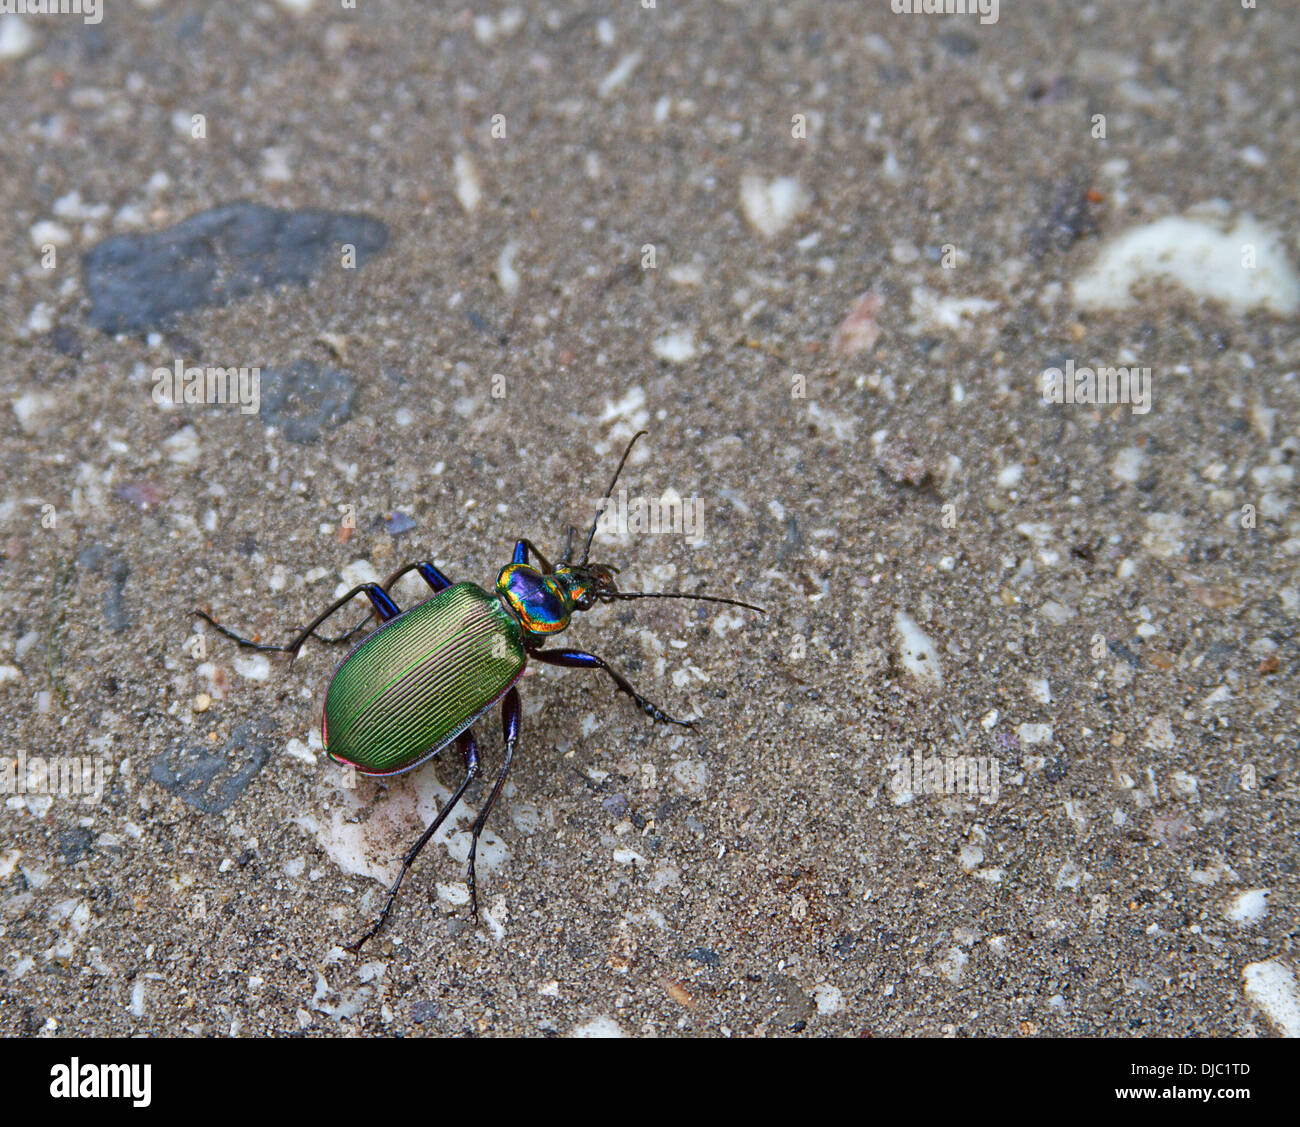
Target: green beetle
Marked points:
419	682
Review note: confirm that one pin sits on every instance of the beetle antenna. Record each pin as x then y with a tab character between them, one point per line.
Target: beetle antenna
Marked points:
679	595
586	551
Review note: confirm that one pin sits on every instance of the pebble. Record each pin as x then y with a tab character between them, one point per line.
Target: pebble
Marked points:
304	400
859	330
676	347
1272	987
398	524
183	447
469	191
140	281
828	999
770	206
1248	907
254	667
1128	463
1203	256
598	1027
1164	535
16	37
932	311
917	651
47	231
619	75
507	275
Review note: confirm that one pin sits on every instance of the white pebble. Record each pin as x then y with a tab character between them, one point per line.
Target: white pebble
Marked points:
16	37
619	75
917	651
677	347
1128	464
598	1027
507	275
47	231
771	206
1203	257
1248	907
829	999
468	189
183	447
1009	476
1272	987
255	667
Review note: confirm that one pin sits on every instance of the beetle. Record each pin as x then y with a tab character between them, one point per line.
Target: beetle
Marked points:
420	681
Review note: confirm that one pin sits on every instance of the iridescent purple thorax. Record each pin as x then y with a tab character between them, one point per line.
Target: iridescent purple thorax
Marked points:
544	604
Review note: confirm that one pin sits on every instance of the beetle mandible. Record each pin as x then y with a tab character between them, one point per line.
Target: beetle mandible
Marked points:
419	682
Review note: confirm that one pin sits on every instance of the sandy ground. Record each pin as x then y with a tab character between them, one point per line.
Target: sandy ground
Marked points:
671	224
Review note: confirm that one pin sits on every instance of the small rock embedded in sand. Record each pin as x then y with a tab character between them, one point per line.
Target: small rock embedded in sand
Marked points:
828	999
1031	734
1164	535
598	1027
771	206
1128	464
1272	987
47	231
1159	735
138	282
917	651
1248	907
858	331
676	348
16	37
934	311
468	189
619	75
507	276
1245	266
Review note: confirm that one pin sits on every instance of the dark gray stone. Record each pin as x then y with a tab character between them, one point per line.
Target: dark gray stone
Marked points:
304	400
211	780
137	282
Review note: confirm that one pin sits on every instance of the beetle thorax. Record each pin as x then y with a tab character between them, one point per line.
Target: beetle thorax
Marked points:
540	602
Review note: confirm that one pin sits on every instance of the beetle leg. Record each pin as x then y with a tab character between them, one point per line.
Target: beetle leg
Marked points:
385	608
576	659
469	753
510	711
523	547
428	572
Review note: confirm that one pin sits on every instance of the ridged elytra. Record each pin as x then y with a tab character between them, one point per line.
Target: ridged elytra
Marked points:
421	680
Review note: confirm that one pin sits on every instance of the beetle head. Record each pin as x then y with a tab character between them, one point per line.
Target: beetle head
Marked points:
588	584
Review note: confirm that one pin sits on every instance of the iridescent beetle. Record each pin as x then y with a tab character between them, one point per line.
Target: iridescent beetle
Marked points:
420	681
